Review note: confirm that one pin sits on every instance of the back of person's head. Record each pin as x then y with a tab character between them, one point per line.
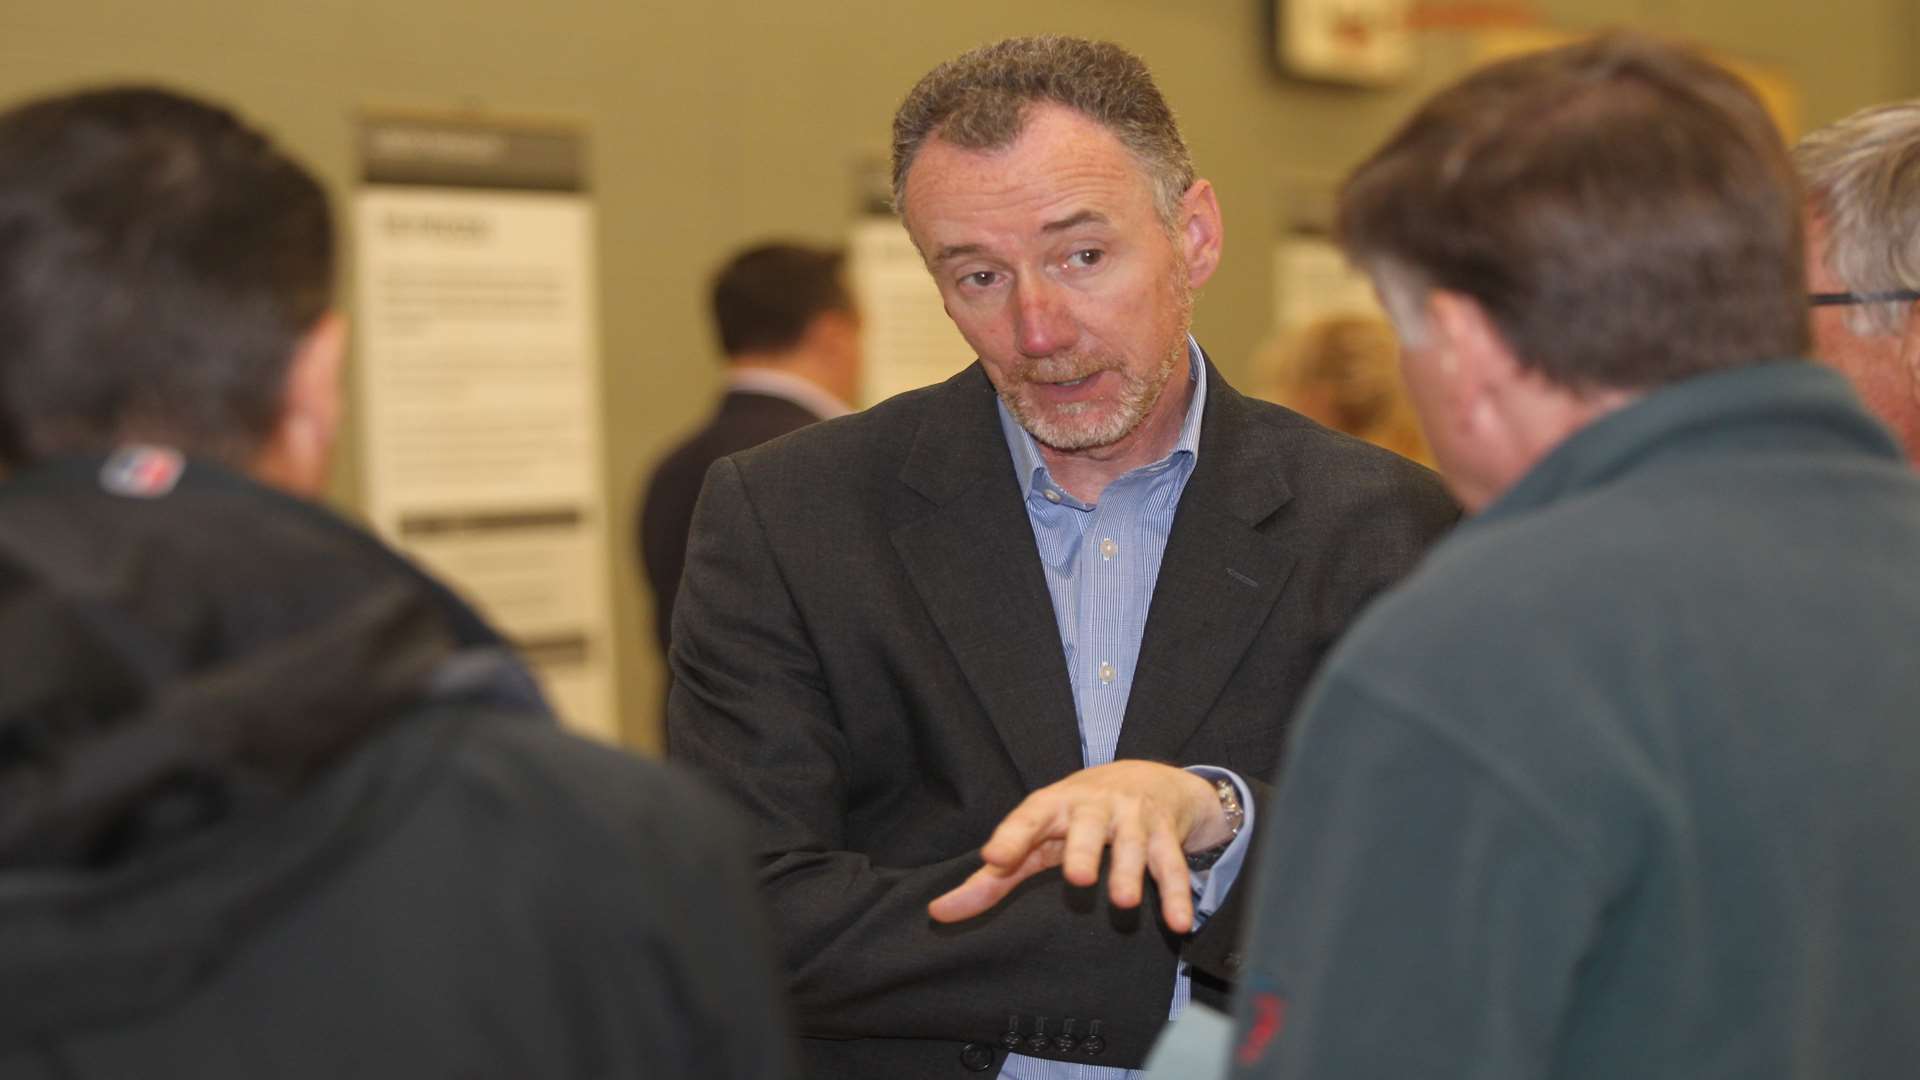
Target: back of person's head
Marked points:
980	101
1863	180
159	263
1622	209
766	297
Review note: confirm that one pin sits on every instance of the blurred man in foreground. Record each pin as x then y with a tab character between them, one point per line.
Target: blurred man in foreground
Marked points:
1863	257
273	803
1624	781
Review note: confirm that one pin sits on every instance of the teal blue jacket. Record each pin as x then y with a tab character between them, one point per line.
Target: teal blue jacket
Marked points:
1624	781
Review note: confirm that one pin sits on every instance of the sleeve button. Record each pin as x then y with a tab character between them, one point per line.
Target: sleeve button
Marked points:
976	1057
1038	1043
1093	1043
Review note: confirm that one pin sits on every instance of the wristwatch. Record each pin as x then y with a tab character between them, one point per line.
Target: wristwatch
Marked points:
1236	816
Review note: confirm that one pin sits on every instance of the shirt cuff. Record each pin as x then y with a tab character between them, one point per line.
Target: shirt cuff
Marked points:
1210	886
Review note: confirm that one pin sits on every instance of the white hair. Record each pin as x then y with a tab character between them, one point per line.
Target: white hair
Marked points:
1403	292
1863	176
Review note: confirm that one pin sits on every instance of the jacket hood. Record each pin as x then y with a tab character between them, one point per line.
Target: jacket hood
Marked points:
178	668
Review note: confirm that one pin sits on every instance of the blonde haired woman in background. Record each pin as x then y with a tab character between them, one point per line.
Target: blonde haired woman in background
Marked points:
1344	371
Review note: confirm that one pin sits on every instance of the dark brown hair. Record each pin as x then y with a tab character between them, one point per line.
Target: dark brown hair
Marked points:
159	263
1622	208
765	297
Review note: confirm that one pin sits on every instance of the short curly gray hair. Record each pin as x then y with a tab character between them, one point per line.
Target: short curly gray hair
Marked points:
979	100
1863	175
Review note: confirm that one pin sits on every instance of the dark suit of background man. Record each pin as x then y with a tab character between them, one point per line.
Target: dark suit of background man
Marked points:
898	627
1624	780
791	335
272	802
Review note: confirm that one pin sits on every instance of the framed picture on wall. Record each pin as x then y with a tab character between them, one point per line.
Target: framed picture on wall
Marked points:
1361	42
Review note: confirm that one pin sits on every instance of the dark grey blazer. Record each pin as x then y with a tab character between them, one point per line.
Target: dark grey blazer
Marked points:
743	419
865	655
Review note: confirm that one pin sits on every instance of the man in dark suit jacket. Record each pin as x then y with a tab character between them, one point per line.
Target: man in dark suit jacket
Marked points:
791	335
1032	587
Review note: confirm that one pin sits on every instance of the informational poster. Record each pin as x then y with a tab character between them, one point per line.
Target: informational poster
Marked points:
908	340
479	377
1313	281
1364	42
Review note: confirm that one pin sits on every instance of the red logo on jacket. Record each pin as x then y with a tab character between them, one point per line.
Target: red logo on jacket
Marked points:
1269	1017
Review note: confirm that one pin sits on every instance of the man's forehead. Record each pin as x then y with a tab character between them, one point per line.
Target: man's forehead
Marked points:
1064	170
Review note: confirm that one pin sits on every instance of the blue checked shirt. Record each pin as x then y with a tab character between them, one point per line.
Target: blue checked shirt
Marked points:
1101	563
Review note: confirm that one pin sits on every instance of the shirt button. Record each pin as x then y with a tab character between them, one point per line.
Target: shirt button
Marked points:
1106	672
1108	549
1052	495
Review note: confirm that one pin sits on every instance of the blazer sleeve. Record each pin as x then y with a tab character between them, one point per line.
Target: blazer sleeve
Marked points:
750	707
1389	519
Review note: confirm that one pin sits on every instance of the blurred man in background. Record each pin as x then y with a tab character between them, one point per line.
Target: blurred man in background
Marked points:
272	802
791	336
1863	257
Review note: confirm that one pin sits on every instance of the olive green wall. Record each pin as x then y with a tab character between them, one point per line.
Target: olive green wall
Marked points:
717	122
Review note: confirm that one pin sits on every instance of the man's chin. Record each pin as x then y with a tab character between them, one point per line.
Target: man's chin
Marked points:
1078	434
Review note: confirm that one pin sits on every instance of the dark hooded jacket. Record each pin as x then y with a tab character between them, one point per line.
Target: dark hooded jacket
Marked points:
275	804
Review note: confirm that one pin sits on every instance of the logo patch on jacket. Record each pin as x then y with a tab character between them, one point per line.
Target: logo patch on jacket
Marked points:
1266	1018
142	472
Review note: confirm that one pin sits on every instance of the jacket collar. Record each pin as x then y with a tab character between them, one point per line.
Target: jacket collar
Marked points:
973	560
1792	404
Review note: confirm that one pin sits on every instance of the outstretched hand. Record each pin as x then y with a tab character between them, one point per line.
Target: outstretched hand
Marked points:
1149	814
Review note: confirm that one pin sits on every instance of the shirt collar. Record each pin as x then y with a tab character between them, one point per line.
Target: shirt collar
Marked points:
1030	469
788	387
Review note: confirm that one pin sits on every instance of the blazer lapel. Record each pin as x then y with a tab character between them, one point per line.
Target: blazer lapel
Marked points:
973	561
1219	579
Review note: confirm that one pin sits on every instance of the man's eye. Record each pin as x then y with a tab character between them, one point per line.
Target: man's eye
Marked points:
979	279
1089	257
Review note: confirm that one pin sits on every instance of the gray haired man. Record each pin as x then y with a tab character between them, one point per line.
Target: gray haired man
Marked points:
1863	257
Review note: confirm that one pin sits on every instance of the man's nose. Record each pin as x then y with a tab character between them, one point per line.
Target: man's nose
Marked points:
1043	323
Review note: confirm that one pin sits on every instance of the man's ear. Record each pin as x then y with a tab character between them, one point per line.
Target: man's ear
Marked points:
1471	352
299	452
1199	234
1910	349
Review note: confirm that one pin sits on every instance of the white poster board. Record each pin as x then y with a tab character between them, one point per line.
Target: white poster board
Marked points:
1312	281
479	377
907	339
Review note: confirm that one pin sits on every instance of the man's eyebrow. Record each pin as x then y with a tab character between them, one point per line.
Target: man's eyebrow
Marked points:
1071	221
953	251
1074	221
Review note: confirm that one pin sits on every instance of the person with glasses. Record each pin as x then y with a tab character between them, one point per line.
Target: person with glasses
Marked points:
1863	257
